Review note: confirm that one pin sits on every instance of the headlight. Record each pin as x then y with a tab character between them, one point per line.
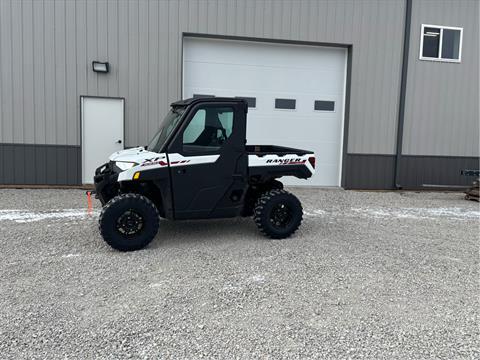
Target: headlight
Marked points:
124	165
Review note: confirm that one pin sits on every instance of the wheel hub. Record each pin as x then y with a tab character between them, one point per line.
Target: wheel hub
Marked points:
129	223
281	216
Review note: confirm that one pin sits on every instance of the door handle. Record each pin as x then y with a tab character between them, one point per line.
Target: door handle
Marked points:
181	171
118	141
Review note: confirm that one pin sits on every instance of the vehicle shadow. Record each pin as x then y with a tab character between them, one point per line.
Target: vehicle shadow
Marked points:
173	233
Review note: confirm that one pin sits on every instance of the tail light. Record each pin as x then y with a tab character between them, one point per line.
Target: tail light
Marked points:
311	160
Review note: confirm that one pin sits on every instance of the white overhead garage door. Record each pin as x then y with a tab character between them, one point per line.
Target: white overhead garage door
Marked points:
296	94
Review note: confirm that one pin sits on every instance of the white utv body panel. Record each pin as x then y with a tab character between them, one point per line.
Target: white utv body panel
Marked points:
147	160
284	160
133	155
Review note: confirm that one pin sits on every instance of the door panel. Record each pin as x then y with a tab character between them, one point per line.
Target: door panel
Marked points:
102	132
209	176
266	72
199	187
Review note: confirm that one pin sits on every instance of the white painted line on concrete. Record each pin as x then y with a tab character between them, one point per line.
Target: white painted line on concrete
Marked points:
454	213
24	216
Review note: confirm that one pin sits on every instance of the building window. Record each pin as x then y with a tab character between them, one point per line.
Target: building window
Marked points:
324	105
285	104
441	43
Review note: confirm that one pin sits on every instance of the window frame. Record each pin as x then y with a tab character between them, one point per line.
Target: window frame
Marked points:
203	150
439	58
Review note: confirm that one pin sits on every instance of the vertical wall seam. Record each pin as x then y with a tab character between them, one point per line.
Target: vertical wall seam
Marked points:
44	78
34	125
118	56
22	70
138	77
55	84
65	72
147	120
158	54
168	49
198	14
55	74
263	18
346	117
106	46
85	75
403	88
77	116
96	43
217	8
2	115
127	80
180	51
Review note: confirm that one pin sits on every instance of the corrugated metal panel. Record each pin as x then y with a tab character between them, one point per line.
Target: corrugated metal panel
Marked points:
50	74
40	164
6	80
442	114
17	71
368	171
46	50
421	171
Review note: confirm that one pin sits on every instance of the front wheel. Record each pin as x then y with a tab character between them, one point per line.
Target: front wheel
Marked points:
278	214
129	222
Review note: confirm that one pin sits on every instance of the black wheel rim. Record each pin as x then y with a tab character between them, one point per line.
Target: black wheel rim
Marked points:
130	223
281	216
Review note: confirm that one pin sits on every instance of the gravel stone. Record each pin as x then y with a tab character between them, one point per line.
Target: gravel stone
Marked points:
368	275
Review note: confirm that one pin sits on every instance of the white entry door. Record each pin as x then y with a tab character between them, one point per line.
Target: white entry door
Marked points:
102	132
296	94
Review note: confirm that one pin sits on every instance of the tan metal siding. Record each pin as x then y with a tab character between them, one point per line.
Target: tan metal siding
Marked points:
442	113
46	50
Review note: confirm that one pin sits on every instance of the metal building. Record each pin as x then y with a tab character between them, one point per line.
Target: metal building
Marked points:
385	91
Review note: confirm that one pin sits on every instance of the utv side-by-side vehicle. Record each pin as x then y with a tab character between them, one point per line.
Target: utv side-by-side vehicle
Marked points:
198	166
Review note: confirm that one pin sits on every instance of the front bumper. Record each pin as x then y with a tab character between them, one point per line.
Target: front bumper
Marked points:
106	182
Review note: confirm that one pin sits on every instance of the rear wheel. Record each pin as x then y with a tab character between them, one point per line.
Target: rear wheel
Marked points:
255	191
129	222
278	214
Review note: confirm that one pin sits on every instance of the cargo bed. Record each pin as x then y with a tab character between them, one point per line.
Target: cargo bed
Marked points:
261	150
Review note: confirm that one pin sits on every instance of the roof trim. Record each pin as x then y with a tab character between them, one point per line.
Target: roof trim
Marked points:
190	101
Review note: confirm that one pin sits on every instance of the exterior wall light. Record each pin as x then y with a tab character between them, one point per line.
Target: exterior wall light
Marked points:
100	67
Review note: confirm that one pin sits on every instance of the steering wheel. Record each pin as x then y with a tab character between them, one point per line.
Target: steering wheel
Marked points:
219	136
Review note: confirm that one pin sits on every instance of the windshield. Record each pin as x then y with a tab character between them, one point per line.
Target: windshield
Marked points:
166	127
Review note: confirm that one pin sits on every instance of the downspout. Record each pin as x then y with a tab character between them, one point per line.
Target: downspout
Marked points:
403	90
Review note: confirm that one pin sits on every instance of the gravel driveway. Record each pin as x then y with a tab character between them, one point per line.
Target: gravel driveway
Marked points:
368	275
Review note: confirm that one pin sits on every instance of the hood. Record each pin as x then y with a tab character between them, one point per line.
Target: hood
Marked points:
135	155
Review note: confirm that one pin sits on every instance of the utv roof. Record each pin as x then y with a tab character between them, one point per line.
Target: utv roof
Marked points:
190	101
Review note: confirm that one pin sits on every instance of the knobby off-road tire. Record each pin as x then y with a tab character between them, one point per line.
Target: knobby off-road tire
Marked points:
251	199
278	214
129	222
